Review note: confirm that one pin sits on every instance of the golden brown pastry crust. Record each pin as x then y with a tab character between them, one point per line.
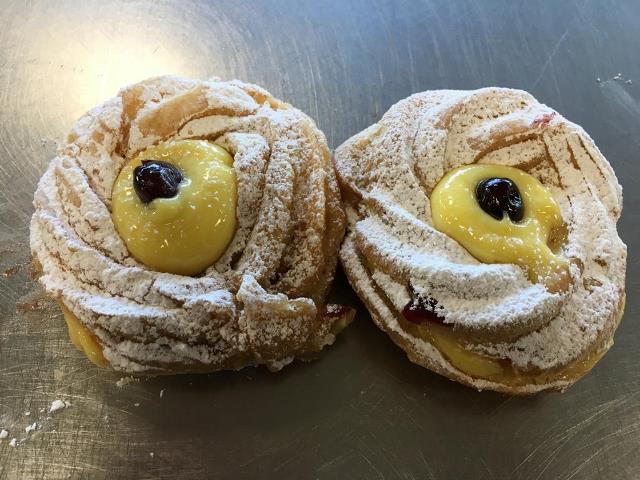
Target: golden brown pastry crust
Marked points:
387	173
263	302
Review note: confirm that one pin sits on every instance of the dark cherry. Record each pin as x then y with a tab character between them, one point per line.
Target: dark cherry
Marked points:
421	309
498	195
156	179
334	311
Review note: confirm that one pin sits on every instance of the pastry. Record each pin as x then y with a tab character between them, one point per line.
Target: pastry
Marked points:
481	235
192	226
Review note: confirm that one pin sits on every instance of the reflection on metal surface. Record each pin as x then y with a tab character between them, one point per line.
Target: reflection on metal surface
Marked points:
109	65
103	65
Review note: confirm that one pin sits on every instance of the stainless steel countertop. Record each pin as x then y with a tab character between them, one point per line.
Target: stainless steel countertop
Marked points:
362	410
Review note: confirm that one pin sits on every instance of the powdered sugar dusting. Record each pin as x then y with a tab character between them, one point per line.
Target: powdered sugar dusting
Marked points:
57	405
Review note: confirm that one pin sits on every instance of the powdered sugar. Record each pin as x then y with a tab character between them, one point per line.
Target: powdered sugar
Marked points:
124	381
31	428
58	405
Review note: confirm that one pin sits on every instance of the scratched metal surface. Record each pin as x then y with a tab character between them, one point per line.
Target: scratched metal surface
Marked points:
362	410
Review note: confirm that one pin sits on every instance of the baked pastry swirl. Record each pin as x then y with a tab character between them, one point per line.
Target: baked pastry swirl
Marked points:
262	301
488	324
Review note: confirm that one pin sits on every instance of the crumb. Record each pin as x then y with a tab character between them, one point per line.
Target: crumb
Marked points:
11	271
26	414
151	454
136	404
618	76
31	428
13	443
4	433
58	405
629	82
32	303
598	79
161	393
126	381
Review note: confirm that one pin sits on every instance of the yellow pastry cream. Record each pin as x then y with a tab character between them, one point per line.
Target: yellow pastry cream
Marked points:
501	214
83	339
475	365
174	205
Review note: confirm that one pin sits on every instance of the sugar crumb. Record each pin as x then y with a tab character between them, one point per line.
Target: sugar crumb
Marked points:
57	405
126	381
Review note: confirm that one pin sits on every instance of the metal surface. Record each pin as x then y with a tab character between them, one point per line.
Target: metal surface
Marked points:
362	410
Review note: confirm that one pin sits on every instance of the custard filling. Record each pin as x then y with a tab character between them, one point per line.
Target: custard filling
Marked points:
83	339
528	242
187	232
522	225
475	365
